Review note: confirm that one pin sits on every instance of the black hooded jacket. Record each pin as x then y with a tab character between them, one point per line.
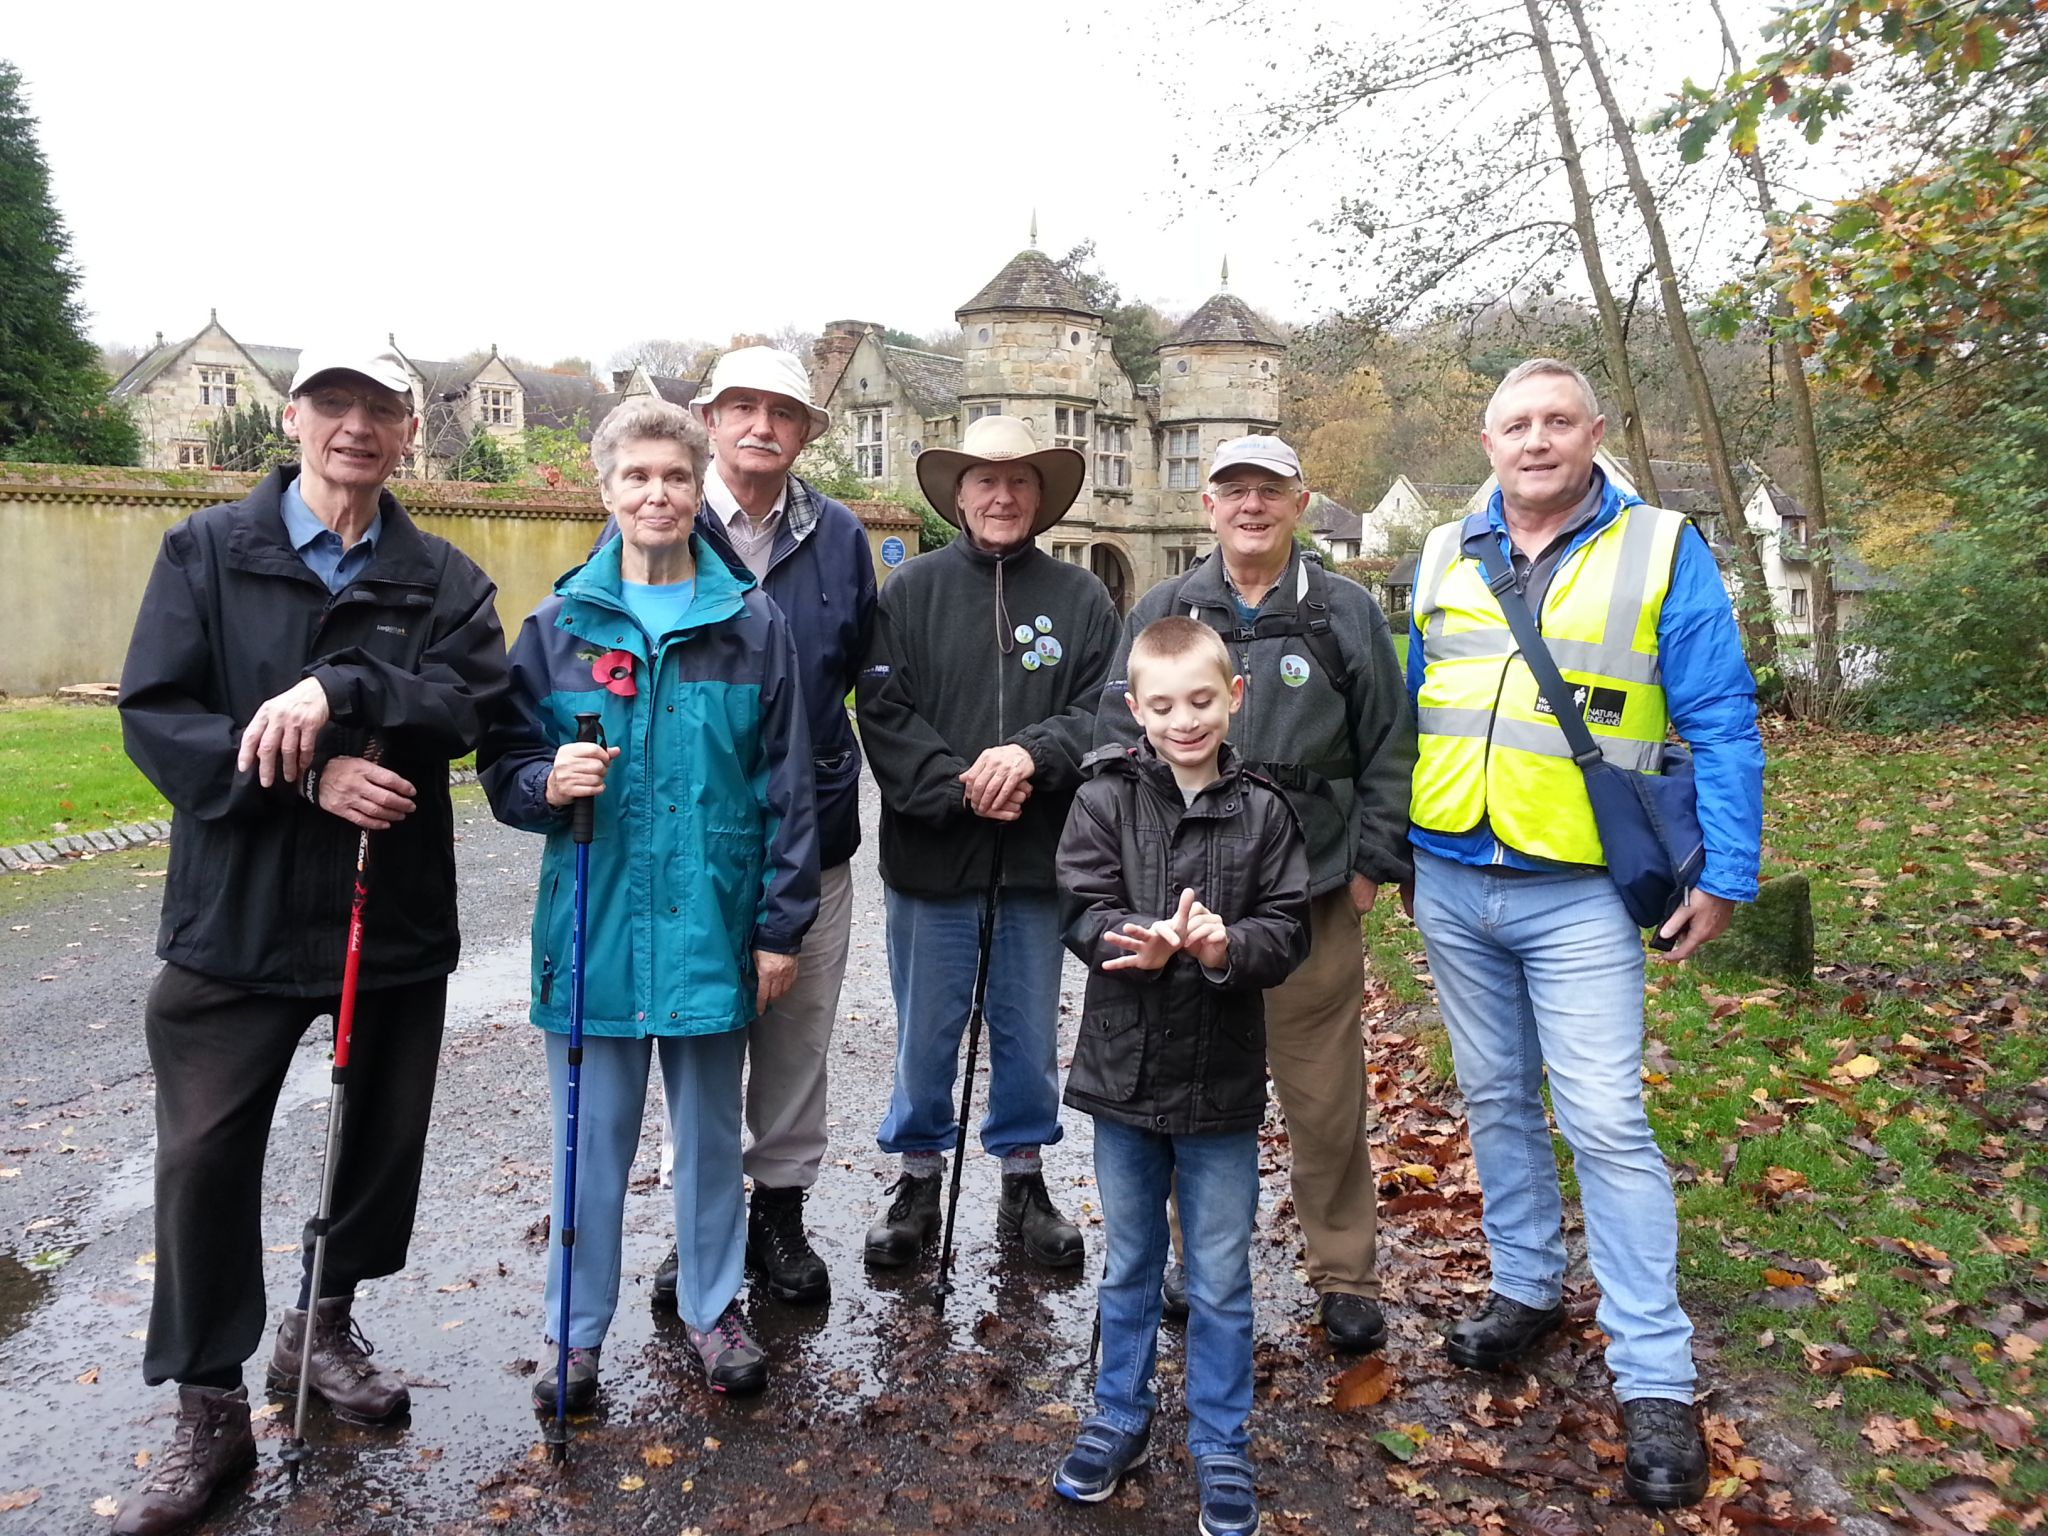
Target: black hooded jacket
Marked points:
1180	1050
409	652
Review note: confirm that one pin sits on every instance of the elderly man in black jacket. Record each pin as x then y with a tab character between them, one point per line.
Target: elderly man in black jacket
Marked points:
305	664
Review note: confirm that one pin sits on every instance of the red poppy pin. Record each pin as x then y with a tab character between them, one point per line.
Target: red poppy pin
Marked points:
615	670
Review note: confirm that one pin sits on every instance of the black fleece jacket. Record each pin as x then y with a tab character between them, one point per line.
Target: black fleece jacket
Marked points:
410	652
1179	1051
945	680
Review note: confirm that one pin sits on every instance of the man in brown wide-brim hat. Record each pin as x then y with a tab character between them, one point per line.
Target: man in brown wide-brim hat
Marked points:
977	703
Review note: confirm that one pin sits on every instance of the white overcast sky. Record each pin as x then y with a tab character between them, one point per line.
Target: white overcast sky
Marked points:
564	181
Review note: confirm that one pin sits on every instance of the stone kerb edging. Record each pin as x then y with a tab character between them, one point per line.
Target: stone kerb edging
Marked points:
85	845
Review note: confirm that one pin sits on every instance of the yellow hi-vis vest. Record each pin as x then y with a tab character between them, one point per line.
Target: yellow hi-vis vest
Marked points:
1490	748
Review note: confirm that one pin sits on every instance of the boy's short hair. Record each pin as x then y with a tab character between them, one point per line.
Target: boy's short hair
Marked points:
1164	639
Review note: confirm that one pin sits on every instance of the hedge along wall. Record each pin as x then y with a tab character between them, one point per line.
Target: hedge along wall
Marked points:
77	545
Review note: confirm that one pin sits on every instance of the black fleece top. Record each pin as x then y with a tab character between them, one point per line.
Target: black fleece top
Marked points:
946	677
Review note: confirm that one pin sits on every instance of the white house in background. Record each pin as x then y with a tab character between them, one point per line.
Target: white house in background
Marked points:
1406	505
1334	526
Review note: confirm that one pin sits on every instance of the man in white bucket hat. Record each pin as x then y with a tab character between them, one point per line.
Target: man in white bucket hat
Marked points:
977	704
810	554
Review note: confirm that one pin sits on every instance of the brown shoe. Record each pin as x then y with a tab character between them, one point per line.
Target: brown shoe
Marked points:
210	1448
341	1370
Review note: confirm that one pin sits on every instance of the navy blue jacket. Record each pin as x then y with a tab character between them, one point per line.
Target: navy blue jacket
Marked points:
822	576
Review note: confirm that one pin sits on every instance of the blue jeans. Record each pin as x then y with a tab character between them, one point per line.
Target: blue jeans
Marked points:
701	1079
1546	970
933	942
1218	1182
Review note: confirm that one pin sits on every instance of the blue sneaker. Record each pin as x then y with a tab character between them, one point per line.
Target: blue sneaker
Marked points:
1102	1454
1230	1505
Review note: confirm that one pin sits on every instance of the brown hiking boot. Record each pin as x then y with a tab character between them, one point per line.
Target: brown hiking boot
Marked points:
210	1448
341	1370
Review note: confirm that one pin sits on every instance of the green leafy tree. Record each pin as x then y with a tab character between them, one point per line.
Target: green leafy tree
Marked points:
828	467
483	458
559	456
1134	329
53	393
250	439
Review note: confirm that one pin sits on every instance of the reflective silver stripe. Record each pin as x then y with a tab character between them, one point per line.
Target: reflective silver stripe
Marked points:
1544	738
1436	721
1468	645
1615	661
1631	576
1440	550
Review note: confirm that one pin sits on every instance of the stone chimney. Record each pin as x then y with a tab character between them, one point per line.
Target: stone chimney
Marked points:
832	351
621	377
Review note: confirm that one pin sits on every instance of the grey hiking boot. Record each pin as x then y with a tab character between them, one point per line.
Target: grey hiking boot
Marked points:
912	1221
340	1369
1026	1213
210	1448
732	1361
583	1363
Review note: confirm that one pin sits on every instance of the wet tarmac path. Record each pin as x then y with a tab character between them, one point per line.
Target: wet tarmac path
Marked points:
883	1413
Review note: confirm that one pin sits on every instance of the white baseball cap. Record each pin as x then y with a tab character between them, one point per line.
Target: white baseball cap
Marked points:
380	365
1264	451
769	371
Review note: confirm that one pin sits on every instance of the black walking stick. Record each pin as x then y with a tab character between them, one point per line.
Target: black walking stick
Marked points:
582	828
295	1452
974	1023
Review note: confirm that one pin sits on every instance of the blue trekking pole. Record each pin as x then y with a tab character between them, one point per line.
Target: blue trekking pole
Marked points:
582	828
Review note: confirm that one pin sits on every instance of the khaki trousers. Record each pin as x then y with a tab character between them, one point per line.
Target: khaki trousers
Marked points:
1315	1049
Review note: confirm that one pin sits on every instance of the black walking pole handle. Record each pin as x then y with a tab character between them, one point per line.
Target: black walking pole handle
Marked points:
583	818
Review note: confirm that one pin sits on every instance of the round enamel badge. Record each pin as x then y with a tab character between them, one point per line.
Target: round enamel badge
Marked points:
1293	670
1022	634
1029	661
1049	650
1044	624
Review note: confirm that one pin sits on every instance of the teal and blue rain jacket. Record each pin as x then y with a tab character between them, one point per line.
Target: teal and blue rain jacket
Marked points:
706	841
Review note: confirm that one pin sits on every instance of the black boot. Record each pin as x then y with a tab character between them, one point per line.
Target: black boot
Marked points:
1498	1332
1026	1212
778	1248
912	1221
664	1286
1352	1325
1666	1466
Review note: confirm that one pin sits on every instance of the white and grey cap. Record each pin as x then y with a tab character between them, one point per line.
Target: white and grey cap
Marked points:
380	365
1262	450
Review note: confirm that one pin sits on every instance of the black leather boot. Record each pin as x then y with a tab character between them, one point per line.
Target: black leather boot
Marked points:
1026	1213
1353	1325
1666	1466
912	1221
778	1248
1498	1332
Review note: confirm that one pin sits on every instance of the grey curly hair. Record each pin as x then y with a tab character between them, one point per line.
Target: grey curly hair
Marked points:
648	418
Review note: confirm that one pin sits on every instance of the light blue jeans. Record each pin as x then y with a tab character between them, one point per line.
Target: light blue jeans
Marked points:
701	1078
1217	1178
933	943
1546	970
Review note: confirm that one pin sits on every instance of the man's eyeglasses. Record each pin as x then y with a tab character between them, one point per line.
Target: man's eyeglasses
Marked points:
1270	493
380	405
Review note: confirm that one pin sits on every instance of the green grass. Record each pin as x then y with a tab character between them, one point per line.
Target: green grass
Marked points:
62	770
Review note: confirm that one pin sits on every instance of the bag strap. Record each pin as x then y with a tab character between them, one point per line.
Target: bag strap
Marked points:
1500	580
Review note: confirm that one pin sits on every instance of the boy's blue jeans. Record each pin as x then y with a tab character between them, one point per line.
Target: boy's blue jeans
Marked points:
1218	1180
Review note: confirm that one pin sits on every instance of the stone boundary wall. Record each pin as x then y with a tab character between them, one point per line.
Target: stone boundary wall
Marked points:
77	544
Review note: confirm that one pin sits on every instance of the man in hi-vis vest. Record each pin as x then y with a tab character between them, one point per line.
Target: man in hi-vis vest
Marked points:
1536	961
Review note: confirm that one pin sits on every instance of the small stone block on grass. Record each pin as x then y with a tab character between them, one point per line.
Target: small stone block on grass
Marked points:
1772	936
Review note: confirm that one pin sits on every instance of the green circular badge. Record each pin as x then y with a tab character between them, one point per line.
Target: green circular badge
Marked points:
1029	661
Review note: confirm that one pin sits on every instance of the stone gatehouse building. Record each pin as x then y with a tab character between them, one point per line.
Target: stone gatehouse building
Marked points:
1035	349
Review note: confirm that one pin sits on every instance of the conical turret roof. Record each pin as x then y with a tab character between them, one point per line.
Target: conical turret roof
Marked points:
1030	281
1225	317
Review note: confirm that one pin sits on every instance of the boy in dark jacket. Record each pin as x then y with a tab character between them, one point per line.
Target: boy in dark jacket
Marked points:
1184	884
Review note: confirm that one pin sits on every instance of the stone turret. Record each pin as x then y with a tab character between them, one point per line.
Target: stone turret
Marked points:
1030	333
1222	366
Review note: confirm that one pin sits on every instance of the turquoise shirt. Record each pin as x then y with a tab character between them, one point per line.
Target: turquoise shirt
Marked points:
320	546
658	609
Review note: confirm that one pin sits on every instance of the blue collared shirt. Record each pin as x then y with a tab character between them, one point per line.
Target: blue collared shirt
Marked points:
1708	691
320	546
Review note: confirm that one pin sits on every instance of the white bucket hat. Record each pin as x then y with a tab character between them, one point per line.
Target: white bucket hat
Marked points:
998	439
771	371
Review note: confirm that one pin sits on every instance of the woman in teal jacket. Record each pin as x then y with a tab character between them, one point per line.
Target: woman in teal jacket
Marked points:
703	872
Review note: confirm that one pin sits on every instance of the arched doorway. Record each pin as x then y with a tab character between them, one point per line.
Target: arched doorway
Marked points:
1114	572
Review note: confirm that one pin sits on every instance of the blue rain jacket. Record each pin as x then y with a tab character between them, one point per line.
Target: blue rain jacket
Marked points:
706	842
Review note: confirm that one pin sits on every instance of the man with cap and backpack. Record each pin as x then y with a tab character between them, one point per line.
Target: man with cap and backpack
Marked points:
1326	716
